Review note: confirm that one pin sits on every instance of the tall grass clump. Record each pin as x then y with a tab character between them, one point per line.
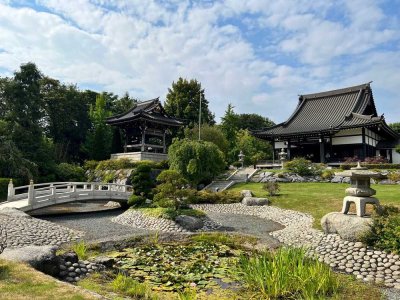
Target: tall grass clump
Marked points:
4	271
132	288
287	274
81	250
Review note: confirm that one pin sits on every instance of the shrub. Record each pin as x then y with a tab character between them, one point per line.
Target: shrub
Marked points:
327	174
136	200
272	188
171	191
287	274
141	181
223	197
376	160
385	230
237	164
300	166
4	188
90	165
394	176
70	172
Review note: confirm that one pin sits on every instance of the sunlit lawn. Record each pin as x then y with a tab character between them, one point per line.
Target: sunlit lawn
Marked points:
317	199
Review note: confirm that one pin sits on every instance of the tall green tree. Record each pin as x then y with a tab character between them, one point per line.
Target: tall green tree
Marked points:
253	148
395	127
209	133
98	142
253	122
183	101
197	161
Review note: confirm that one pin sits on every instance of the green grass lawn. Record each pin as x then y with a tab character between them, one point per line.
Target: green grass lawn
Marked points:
317	199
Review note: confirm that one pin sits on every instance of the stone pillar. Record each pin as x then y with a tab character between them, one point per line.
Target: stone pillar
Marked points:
11	191
31	193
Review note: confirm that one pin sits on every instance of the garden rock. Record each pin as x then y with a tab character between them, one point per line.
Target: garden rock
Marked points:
42	258
337	179
189	223
108	262
349	227
246	193
253	201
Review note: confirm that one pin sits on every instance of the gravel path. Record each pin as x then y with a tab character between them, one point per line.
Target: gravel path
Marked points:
97	226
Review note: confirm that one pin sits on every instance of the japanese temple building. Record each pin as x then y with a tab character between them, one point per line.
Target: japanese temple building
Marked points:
334	125
145	128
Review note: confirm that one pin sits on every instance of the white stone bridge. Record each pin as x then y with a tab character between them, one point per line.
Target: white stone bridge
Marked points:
34	196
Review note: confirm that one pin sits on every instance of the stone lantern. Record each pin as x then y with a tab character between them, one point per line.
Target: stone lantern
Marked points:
241	157
360	191
282	156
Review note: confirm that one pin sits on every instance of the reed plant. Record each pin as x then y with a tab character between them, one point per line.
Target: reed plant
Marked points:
287	274
81	249
130	287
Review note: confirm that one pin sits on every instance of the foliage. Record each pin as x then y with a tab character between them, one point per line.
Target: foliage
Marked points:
4	188
81	249
287	274
90	165
122	163
385	230
98	141
167	267
304	167
197	161
327	174
223	197
253	148
170	192
394	176
183	102
229	126
376	160
253	122
142	182
395	127
211	134
235	241
4	271
70	172
132	288
136	200
272	188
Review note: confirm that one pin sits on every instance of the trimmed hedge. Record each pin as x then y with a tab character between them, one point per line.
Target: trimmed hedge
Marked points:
371	166
122	163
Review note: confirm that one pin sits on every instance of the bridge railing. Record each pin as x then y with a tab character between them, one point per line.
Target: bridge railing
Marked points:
59	192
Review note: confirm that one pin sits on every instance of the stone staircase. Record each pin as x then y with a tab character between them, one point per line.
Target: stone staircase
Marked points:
240	175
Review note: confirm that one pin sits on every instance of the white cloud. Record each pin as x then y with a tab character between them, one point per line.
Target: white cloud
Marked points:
142	46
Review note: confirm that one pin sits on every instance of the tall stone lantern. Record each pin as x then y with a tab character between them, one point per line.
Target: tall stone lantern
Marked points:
282	156
241	158
360	191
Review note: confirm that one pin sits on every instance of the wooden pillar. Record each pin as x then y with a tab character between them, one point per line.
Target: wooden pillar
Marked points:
288	150
126	140
143	139
164	144
322	149
364	145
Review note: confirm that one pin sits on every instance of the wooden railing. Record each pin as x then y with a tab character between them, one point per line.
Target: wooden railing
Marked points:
47	194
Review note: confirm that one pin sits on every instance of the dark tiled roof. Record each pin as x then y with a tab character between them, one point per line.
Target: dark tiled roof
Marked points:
150	110
328	112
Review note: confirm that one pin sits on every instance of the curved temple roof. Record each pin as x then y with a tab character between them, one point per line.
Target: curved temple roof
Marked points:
151	110
329	112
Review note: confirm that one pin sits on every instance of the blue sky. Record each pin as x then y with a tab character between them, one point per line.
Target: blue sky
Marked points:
258	55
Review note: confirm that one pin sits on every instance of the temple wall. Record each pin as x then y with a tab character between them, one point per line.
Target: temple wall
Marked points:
396	157
346	140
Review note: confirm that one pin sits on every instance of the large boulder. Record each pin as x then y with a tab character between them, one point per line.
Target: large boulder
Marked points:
254	201
349	227
42	258
189	223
